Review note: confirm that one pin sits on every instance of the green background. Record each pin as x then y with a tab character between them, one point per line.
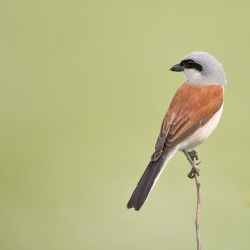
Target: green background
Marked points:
84	88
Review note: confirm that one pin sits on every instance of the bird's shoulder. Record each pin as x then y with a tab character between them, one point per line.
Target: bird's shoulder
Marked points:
191	98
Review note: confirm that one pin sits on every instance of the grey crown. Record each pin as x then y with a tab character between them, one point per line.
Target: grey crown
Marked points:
212	70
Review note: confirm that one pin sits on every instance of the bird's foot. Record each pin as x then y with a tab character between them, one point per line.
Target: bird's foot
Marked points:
192	157
194	171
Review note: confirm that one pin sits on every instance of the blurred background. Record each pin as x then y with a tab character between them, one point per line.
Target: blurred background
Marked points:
84	88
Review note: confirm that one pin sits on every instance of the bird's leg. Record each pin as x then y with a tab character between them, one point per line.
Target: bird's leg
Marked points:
193	154
190	156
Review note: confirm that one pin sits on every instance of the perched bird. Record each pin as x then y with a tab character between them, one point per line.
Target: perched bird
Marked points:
192	116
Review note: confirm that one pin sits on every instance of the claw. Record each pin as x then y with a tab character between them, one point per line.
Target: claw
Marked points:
192	157
194	171
191	175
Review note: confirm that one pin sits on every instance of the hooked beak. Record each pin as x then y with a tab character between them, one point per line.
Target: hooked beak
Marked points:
177	68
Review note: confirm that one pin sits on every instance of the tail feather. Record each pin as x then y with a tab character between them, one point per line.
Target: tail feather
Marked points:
146	183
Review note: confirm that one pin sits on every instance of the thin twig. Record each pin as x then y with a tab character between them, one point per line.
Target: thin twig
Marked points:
195	174
197	218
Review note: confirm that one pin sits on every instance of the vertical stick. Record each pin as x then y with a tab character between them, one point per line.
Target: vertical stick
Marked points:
197	218
194	174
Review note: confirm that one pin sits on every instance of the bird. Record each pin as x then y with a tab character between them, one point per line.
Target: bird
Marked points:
193	114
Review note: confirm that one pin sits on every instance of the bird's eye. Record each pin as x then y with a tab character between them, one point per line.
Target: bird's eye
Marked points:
190	63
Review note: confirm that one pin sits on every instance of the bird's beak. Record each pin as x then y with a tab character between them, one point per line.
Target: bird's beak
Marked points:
177	68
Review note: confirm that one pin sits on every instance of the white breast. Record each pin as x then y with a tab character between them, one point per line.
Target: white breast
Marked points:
202	133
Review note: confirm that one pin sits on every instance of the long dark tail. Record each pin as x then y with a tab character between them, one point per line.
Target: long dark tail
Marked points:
146	183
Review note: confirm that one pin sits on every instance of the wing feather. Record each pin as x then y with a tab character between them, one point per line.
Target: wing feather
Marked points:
191	108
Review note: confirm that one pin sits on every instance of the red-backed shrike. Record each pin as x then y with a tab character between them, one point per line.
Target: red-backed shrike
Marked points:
192	116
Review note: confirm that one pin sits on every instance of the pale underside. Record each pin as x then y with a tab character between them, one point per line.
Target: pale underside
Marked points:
193	141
